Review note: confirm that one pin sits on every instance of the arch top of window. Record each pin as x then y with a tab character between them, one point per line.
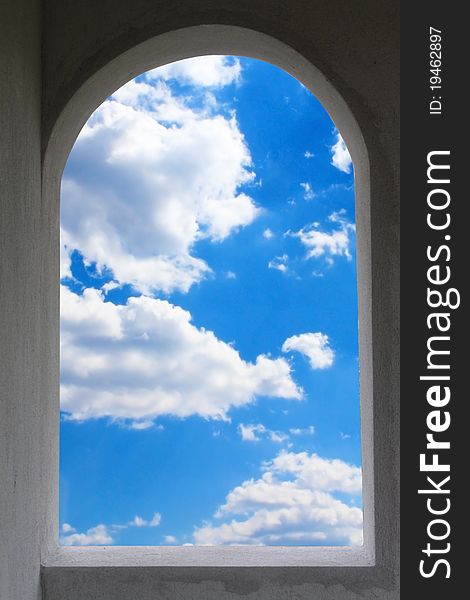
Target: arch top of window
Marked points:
60	135
224	40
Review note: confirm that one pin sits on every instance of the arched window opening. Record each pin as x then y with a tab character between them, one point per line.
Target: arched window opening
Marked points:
209	347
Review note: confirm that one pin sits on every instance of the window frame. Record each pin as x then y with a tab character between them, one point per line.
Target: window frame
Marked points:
369	565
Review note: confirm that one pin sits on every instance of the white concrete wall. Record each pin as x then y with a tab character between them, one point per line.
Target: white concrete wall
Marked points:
27	308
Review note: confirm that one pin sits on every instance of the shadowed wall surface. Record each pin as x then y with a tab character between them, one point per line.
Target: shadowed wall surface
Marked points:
28	306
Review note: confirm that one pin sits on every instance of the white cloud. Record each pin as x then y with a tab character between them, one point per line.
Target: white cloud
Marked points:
279	263
103	534
315	346
144	424
340	157
277	436
109	286
268	234
65	251
206	71
95	536
140	522
160	176
308	191
328	244
249	433
330	475
145	359
308	154
254	433
298	431
293	501
170	539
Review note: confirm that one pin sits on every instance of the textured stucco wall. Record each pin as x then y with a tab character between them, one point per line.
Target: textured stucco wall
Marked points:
353	42
27	308
355	45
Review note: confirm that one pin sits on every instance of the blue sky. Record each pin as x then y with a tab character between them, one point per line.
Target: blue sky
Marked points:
209	360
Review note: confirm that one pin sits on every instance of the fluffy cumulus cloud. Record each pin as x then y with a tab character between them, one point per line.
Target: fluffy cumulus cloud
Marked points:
254	433
315	346
162	173
300	431
140	522
205	71
279	263
293	501
170	539
340	157
330	244
268	234
102	535
145	359
309	194
95	536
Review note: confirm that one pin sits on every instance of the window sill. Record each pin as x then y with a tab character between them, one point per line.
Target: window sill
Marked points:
211	556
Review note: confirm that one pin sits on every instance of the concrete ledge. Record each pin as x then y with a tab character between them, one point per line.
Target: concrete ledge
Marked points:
210	556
